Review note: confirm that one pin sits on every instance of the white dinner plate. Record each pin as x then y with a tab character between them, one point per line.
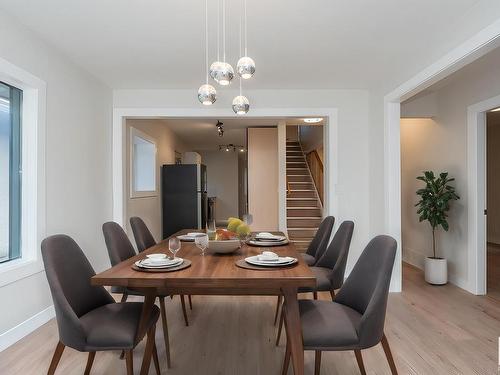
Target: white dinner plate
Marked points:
189	237
267	243
282	261
166	264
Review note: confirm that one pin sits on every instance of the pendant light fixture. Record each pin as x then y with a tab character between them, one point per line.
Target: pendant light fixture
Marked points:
245	66
241	105
222	72
207	95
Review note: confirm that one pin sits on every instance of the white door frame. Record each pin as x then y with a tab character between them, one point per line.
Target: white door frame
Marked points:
483	42
476	192
120	115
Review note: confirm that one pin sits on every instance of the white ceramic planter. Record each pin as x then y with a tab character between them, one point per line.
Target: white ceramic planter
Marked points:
436	271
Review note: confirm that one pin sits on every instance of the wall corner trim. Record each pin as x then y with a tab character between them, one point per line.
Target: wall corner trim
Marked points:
23	329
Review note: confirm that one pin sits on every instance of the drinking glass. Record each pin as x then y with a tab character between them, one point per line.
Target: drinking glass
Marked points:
211	230
174	245
201	243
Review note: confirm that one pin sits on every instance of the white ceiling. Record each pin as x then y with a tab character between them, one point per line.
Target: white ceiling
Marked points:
201	134
296	44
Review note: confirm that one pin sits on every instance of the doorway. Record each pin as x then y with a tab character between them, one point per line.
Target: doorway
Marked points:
493	204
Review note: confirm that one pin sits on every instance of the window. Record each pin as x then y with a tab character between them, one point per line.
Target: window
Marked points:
143	164
10	172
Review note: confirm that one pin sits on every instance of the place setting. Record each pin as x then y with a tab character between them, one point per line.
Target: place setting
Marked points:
159	262
267	260
266	239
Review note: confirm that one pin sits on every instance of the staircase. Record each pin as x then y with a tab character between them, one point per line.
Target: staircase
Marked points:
303	207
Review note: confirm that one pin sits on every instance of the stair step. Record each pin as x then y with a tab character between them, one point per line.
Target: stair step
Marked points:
301	185
292	143
296	164
303	212
299	178
297	171
301	233
293	148
297	202
302	194
294	153
295	158
303	222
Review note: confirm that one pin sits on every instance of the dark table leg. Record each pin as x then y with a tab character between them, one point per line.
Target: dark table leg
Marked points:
293	330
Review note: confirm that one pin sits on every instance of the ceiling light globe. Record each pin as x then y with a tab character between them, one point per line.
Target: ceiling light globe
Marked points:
245	67
241	105
207	95
221	72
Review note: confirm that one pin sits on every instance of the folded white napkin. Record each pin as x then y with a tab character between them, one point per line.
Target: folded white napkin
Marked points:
268	236
195	234
268	256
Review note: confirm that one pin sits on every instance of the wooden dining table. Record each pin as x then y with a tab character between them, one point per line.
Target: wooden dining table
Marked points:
214	274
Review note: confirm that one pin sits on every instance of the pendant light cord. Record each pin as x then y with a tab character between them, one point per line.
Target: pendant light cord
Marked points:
224	28
218	30
245	10
206	39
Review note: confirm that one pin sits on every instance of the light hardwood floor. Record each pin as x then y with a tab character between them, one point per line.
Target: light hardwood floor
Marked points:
432	330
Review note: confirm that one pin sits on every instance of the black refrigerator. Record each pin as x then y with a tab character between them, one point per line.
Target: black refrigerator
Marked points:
184	197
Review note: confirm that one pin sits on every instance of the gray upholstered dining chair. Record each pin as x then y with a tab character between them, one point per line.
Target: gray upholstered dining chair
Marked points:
355	320
120	249
330	268
314	251
144	240
320	241
88	318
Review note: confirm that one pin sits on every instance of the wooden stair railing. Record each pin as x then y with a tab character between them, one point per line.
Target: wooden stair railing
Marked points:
316	168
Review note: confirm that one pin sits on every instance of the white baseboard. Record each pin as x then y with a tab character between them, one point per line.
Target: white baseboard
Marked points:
413	257
16	333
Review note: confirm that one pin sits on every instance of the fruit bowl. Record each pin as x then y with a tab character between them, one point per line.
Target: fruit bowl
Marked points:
223	247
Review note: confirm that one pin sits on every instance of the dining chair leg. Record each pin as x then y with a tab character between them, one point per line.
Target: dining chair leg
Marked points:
90	361
317	362
388	354
122	354
286	361
164	323
315	295
129	358
148	350
359	359
55	358
280	327
155	359
332	293
278	305
184	312
190	302
124	297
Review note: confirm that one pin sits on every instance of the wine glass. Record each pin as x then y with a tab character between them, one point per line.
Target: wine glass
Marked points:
201	243
174	245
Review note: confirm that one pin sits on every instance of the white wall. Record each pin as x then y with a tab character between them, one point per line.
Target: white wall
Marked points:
353	135
222	181
78	161
441	144
149	208
311	138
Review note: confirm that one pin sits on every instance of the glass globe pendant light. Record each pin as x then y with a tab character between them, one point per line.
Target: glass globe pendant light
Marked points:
207	95
245	66
241	105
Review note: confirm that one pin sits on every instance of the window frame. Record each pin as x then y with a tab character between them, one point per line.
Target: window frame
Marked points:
33	187
134	132
15	167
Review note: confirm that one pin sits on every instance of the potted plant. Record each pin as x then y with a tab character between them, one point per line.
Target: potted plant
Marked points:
433	206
